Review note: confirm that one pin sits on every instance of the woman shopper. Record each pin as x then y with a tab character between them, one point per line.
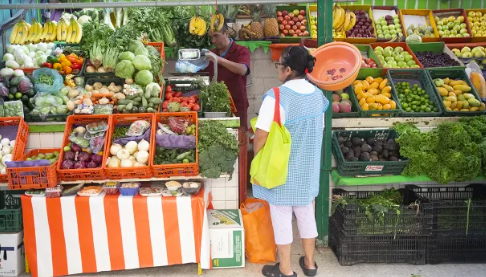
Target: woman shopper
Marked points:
302	107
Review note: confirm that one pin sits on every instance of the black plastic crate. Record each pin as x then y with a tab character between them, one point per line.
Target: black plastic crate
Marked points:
456	248
348	168
354	220
454	209
351	250
10	212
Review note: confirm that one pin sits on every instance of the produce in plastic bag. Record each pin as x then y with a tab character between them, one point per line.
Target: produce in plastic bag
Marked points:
13	108
84	109
43	86
97	143
89	135
46	104
477	79
137	128
79	139
192	66
24	84
125	140
3	90
176	141
103	109
95	127
413	38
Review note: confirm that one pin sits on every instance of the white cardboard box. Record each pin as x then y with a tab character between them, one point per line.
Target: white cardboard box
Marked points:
12	254
227	238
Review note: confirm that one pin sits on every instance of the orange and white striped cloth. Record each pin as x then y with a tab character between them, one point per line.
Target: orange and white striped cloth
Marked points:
71	235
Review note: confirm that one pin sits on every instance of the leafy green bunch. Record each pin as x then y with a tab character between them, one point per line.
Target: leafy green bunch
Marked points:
216	98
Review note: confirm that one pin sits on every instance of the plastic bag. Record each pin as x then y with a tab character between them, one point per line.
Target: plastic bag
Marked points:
79	140
192	66
138	128
137	139
46	104
3	90
96	144
41	87
260	244
477	79
176	142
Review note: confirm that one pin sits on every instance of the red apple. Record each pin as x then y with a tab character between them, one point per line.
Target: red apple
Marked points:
285	22
295	35
280	19
298	24
284	13
306	33
287	17
298	32
291	23
291	32
302	12
300	17
304	22
295	19
294	28
288	27
281	26
282	35
285	32
303	28
279	13
291	15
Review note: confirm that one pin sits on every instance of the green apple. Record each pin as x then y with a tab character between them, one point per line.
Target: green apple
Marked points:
453	32
395	16
380	57
387	52
384	28
463	31
463	25
379	32
399	49
465	50
386	65
398	26
388	36
391	27
394	63
393	32
445	36
457	28
386	32
399	58
378	49
402	64
414	66
441	33
389	48
410	62
440	23
396	21
447	32
389	59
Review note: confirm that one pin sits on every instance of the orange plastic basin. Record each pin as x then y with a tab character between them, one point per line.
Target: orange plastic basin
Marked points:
337	66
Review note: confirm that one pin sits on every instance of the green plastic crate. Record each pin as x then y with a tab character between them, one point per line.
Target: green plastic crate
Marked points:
366	50
436	47
10	212
375	113
347	168
442	73
354	105
415	76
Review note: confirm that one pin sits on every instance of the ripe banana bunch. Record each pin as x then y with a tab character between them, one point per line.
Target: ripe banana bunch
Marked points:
19	33
197	26
74	32
217	22
350	20
342	20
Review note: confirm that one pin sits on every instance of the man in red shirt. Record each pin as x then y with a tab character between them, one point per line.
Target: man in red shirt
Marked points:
233	67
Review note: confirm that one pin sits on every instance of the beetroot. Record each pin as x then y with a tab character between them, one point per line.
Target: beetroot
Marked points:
69	155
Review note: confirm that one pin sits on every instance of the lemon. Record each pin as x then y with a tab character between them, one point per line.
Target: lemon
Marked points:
313	27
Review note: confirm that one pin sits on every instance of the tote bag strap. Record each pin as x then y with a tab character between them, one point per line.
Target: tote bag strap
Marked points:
276	113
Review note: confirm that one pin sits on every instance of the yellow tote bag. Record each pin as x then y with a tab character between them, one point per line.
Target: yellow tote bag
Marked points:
269	168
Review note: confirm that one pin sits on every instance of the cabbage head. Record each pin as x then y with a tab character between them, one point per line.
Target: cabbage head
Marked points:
142	62
143	78
124	69
137	47
126	56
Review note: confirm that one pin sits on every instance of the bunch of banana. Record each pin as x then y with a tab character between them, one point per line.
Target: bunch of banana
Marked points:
74	32
350	20
62	29
35	32
342	20
197	26
49	34
217	22
19	33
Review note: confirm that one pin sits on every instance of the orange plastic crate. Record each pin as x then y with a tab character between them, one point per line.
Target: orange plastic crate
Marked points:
129	172
88	173
20	139
38	177
430	22
159	46
170	170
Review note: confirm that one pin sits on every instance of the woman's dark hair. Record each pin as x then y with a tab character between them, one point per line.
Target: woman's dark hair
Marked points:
298	59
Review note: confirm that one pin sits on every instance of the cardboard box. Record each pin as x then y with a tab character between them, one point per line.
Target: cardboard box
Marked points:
12	254
227	238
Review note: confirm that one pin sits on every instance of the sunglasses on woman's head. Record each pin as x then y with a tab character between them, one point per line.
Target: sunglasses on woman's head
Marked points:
277	64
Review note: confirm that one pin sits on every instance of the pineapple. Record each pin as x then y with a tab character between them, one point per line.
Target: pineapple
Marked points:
270	24
256	26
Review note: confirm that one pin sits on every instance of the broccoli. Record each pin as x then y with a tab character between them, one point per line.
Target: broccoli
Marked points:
216	160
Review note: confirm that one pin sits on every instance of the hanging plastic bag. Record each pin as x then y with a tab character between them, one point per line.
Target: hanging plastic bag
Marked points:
260	244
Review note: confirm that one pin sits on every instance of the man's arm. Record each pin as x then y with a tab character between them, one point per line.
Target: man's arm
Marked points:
237	68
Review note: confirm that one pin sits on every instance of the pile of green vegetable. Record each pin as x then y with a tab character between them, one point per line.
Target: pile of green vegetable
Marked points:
218	149
216	98
173	156
452	152
136	100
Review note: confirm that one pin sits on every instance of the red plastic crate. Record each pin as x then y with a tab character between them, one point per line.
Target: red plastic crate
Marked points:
38	177
88	173
20	139
170	170
129	172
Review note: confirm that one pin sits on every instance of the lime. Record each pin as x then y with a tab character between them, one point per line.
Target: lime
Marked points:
18	95
11	96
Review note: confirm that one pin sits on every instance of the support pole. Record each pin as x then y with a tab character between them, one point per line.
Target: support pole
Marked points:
324	35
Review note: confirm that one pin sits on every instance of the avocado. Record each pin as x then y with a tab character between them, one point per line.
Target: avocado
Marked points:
364	157
366	148
345	150
25	99
349	155
374	158
377	148
31	93
341	139
353	159
381	159
394	154
348	143
390	146
393	159
370	141
374	153
385	154
356	141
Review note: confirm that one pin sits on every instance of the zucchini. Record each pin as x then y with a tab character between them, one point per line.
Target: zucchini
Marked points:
124	102
120	108
183	156
150	110
129	107
155	100
147	94
144	103
137	99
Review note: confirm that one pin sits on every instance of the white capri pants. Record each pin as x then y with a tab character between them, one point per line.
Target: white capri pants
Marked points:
282	222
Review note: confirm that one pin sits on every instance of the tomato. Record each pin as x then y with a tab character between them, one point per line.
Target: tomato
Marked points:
168	95
192	100
165	104
195	97
176	99
164	110
178	94
190	105
196	107
184	104
168	89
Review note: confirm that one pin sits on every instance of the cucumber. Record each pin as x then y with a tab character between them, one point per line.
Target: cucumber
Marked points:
137	99
124	102
150	110
155	100
129	107
120	108
130	97
144	103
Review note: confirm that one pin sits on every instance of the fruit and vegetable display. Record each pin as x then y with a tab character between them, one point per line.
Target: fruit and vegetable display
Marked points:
374	94
467	53
67	29
176	142
51	157
343	21
176	102
293	23
313	26
18	92
368	63
413	98
395	57
421	30
64	63
363	28
27	56
218	149
432	59
372	149
389	28
456	96
477	21
216	97
6	152
85	146
137	100
452	27
130	150
451	152
341	102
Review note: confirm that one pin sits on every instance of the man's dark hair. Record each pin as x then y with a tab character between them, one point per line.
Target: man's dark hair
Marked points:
298	59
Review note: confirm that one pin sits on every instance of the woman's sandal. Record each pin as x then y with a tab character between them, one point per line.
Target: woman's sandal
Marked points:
307	272
274	271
